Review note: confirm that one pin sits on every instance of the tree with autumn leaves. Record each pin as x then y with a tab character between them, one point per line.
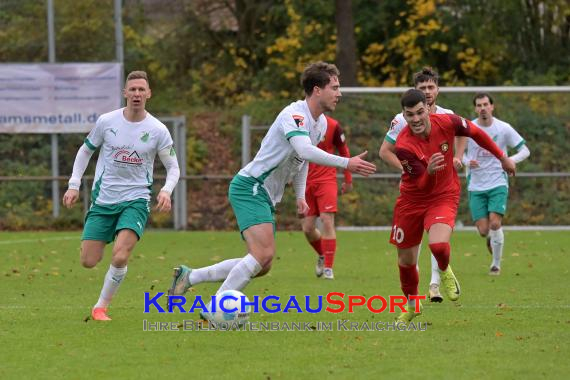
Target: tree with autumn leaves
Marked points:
214	60
231	51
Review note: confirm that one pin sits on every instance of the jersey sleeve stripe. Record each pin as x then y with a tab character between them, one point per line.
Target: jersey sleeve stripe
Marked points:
390	140
296	133
519	145
89	145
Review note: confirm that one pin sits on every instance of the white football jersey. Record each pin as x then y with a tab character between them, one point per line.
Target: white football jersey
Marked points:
276	163
126	159
398	123
490	173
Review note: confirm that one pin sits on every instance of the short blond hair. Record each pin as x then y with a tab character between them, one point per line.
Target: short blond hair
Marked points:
137	75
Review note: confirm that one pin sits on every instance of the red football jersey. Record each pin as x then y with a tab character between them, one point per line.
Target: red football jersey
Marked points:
334	138
414	153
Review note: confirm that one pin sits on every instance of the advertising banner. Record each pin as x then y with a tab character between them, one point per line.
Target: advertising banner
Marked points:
57	98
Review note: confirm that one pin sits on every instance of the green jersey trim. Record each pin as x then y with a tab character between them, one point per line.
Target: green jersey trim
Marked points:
262	177
97	188
523	142
296	133
89	145
390	140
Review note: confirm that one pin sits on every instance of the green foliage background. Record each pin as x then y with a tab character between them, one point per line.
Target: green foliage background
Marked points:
215	61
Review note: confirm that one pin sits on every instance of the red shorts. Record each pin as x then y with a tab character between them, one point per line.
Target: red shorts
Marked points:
412	218
321	197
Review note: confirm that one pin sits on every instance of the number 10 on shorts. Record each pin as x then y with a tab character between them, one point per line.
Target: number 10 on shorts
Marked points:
397	234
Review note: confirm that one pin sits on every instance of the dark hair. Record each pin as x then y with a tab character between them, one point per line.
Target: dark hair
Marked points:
317	74
426	74
412	97
137	75
481	95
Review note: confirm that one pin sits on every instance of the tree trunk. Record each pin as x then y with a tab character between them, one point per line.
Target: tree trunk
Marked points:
345	43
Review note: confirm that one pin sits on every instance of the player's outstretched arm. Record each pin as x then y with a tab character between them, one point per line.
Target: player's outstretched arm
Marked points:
308	152
357	164
467	128
79	165
388	155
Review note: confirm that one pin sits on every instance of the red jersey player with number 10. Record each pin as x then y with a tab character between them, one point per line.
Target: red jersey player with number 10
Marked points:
321	196
429	190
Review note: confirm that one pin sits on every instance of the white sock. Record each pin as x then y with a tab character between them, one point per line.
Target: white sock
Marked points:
213	273
435	279
241	274
497	243
113	279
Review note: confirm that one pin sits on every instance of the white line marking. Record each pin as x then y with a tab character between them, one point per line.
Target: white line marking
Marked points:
39	240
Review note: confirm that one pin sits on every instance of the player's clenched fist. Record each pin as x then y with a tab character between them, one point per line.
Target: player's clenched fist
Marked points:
436	162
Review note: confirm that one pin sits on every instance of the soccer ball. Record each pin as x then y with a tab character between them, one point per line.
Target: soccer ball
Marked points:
237	316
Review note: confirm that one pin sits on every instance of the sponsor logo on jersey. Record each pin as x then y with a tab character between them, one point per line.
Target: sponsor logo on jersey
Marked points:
464	123
298	120
113	131
128	157
393	124
444	147
145	136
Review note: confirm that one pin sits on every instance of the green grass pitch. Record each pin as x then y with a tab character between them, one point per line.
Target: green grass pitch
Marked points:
513	326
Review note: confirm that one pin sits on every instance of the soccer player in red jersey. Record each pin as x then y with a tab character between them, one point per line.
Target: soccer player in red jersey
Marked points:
429	190
321	196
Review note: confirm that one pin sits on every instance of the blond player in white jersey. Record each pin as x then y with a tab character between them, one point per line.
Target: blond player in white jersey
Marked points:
129	139
487	182
427	81
283	157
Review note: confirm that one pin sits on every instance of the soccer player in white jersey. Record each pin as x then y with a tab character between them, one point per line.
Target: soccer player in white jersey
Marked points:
487	182
129	139
427	81
286	150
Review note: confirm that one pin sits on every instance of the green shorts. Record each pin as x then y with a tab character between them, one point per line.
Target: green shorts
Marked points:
250	202
103	222
481	203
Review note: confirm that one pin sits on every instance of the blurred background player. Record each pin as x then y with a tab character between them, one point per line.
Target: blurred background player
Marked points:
286	150
129	138
321	197
487	182
427	81
429	191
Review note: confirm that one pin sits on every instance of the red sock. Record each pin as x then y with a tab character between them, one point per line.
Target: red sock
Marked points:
329	250
409	280
318	246
441	252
